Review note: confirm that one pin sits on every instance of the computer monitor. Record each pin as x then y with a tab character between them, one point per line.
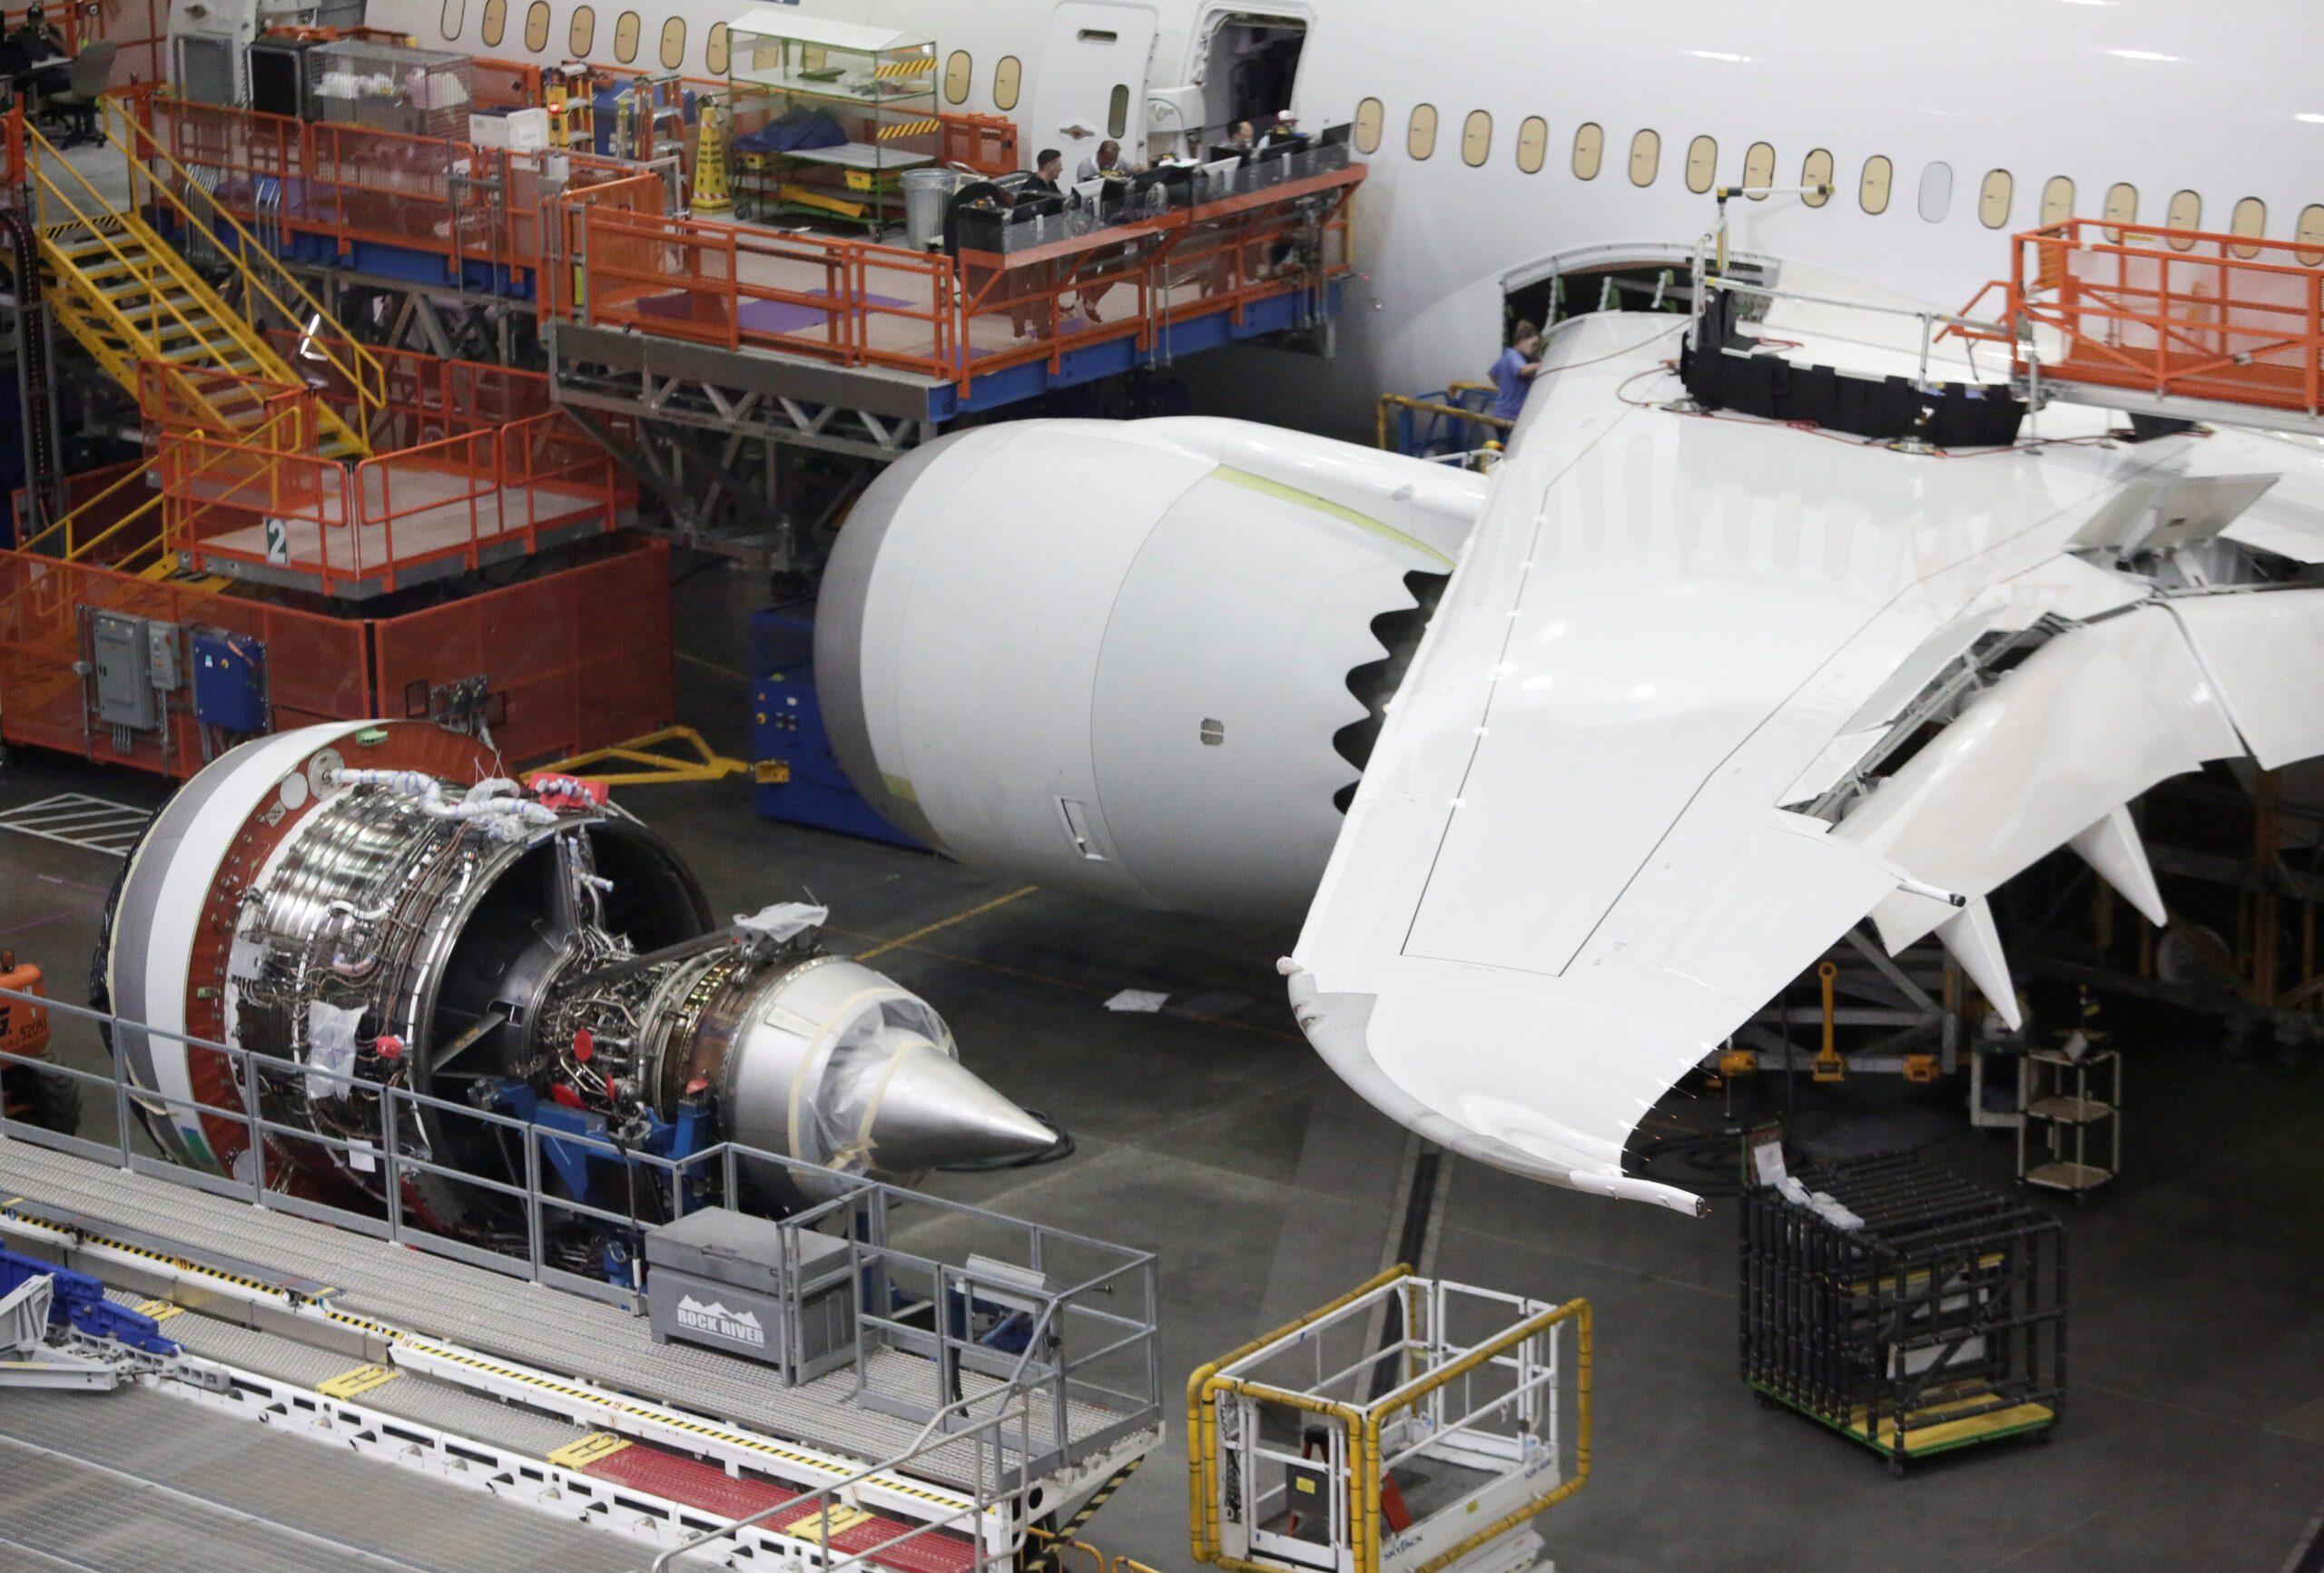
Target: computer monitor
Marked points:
1219	170
1333	135
1221	152
1089	190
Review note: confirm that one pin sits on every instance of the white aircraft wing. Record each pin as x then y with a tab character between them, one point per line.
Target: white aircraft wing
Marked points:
1578	858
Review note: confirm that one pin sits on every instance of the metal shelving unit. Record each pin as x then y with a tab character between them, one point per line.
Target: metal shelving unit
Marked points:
2067	1100
879	85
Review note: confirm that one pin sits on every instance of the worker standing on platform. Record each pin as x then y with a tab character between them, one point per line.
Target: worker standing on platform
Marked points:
1513	374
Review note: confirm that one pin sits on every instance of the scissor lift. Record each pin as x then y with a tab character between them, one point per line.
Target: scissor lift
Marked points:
1410	1426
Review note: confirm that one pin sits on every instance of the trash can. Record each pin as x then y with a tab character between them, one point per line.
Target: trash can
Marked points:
925	192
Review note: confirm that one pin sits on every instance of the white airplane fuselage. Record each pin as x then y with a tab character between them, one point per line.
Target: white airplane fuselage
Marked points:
2190	114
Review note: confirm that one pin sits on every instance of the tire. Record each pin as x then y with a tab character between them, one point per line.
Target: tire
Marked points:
55	1102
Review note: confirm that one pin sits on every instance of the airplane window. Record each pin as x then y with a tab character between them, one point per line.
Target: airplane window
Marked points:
1476	138
2057	201
1533	144
1702	164
2185	212
715	49
2310	233
1759	169
1008	77
1420	137
1117	111
455	12
1369	116
673	42
1872	190
1589	150
1936	191
1817	171
625	36
496	18
1646	157
2121	208
2251	218
1994	198
582	32
955	77
536	25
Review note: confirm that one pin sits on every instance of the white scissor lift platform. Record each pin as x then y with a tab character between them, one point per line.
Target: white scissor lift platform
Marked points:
564	1401
1410	1426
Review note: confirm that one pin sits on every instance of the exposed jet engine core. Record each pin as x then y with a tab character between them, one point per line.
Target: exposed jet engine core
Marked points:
365	902
1141	662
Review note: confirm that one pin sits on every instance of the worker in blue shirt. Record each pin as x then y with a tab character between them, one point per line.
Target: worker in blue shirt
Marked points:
1513	374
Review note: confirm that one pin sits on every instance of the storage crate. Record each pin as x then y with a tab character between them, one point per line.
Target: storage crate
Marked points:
1937	1321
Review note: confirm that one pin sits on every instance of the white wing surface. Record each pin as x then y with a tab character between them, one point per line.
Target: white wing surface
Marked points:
1579	857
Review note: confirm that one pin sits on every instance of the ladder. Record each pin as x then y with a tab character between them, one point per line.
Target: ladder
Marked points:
126	295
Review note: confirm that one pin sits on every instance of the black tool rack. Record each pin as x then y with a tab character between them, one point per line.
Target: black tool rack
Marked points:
1939	1324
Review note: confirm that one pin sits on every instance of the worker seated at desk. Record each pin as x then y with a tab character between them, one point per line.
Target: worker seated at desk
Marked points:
1044	180
34	55
1282	137
1106	165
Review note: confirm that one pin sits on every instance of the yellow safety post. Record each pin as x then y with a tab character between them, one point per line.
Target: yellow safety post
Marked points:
712	198
1829	1066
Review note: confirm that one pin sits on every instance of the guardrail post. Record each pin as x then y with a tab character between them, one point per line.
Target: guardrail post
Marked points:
388	1161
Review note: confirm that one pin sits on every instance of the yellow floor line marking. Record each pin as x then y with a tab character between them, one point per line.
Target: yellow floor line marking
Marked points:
902	940
159	1310
715	667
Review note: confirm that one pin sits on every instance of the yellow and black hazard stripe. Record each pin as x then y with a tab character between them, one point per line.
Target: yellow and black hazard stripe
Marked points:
926	63
1050	1554
904	128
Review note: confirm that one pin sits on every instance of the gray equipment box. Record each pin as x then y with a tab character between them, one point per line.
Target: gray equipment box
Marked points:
716	1278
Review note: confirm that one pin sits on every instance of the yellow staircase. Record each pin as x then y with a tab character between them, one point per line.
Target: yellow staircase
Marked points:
127	296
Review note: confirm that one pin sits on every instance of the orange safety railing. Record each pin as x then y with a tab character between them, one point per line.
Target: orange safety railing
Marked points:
858	303
2182	313
986	143
260	503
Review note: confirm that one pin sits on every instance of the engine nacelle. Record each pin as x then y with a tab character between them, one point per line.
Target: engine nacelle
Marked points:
1142	661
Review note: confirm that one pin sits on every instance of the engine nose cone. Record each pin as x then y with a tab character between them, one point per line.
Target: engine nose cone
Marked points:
934	1111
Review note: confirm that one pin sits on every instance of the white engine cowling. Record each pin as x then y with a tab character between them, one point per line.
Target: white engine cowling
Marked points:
1133	660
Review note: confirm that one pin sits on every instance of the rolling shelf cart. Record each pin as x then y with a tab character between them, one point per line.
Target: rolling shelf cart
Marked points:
2056	1092
1920	1314
877	85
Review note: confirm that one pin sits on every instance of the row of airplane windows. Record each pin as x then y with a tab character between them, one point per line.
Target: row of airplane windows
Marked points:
581	38
1875	185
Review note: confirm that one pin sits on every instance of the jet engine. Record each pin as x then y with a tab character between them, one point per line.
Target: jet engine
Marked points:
367	905
1142	661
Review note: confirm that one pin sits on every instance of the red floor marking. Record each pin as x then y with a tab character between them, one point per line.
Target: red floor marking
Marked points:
711	1489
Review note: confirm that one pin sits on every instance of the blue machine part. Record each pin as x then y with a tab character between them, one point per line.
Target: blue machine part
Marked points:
229	680
586	1170
80	1299
800	781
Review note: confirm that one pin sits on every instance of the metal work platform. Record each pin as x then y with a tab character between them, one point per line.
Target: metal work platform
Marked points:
138	1479
591	1361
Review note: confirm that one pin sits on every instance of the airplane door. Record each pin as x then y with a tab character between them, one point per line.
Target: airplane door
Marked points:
1092	83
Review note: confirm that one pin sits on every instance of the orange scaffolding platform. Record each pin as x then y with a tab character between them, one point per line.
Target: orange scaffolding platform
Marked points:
2176	322
470	465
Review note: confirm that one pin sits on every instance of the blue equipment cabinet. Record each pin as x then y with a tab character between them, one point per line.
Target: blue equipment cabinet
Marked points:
229	682
798	779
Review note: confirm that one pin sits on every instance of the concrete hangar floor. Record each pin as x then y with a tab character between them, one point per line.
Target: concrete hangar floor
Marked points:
2193	1435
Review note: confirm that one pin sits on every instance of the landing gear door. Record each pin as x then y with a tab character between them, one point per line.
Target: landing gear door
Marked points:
1092	83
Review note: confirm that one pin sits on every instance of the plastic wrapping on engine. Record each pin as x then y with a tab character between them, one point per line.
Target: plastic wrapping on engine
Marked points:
837	1123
